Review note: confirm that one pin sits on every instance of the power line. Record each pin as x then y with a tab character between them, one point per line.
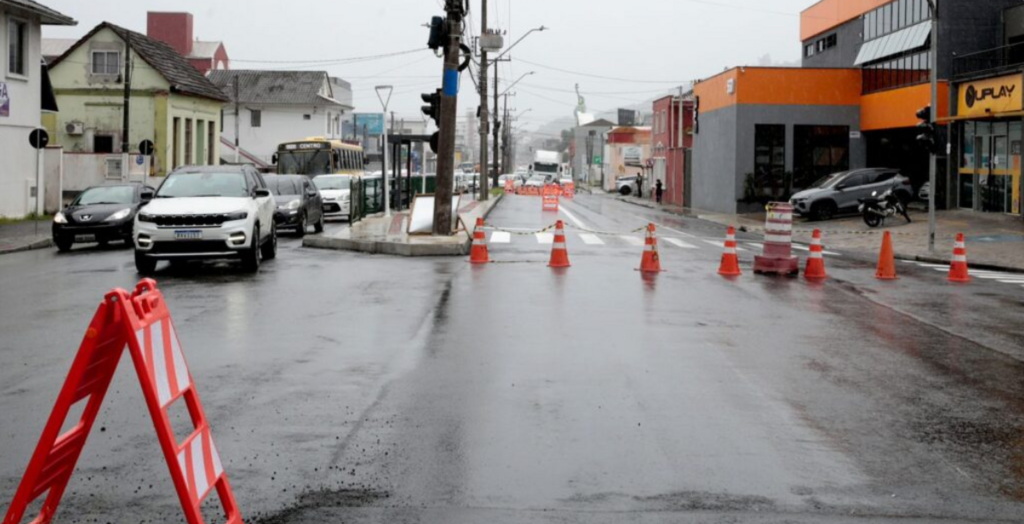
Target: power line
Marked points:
617	79
334	60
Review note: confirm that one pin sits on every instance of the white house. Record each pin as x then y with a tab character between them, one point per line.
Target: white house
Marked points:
23	96
276	107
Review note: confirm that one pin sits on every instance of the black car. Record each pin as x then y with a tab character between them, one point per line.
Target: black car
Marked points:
99	214
298	203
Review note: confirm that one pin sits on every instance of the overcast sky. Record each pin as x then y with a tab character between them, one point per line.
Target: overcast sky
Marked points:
646	45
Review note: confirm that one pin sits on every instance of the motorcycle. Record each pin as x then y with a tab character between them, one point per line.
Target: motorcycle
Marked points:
877	208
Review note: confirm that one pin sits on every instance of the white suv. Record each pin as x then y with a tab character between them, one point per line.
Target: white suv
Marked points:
208	212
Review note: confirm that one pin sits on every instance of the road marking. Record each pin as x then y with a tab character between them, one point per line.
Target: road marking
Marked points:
578	222
633	240
591	240
501	237
719	243
545	238
1012	281
798	247
680	243
755	245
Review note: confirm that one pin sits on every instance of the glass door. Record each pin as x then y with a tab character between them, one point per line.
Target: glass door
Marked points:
994	185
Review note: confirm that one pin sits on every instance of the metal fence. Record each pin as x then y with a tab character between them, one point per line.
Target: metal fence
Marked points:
988	62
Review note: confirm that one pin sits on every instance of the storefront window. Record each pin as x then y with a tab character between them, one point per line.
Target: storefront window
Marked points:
770	154
819	151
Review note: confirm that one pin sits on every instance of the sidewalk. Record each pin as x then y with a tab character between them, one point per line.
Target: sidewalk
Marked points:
381	235
994	241
24	236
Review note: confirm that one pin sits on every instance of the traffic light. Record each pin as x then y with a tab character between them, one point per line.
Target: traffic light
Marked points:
437	33
928	137
433	107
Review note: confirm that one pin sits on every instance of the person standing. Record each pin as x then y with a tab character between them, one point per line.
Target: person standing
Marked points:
659	190
640	185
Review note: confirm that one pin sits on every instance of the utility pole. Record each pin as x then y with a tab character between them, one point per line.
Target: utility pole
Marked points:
126	145
934	159
448	116
238	111
484	114
497	124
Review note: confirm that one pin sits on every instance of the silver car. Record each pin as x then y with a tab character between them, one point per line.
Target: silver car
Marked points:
840	192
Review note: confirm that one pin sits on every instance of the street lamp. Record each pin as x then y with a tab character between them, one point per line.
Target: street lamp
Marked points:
521	113
384	101
503	53
517	81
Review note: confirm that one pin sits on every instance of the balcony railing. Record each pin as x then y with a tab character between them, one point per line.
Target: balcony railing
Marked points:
989	62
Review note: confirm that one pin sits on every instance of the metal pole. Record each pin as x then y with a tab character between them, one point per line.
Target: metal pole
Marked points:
384	148
238	111
496	126
485	170
934	159
125	127
449	108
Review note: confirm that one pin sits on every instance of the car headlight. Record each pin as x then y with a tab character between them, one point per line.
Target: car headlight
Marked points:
59	219
293	205
120	215
240	215
143	217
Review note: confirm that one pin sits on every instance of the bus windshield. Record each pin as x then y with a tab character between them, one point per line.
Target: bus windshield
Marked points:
309	163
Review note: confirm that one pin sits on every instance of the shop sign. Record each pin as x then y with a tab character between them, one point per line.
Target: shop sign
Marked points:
991	96
632	155
5	100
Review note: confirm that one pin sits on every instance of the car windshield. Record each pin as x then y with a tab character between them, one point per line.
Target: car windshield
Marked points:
327	183
538	178
309	163
281	186
106	195
828	181
203	184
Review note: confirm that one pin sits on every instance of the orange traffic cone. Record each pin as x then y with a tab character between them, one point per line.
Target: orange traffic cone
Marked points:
651	261
478	254
886	260
958	268
559	254
815	269
730	266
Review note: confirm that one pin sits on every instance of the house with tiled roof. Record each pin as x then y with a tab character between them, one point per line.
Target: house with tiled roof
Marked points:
279	106
172	104
176	30
24	94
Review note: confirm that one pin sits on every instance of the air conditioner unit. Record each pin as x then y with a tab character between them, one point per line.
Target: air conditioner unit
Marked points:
75	128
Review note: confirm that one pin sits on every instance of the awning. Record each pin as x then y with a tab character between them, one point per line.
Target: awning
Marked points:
895	43
49	100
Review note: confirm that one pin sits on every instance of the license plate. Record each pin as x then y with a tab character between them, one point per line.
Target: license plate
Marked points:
85	238
188	234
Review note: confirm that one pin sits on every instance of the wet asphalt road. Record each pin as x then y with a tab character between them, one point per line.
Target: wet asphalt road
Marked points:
352	388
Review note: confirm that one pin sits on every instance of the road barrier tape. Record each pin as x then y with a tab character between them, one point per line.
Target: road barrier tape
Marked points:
552	226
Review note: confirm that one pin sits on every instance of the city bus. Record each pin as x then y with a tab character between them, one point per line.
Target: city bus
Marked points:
319	156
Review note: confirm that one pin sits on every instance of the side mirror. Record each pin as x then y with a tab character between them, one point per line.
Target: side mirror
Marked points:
841	187
273	159
311	192
146	196
261	193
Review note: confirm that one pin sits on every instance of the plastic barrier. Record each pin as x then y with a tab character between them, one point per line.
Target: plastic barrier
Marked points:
142	322
958	266
569	190
550	198
886	260
559	253
510	186
478	253
730	266
651	260
778	242
815	269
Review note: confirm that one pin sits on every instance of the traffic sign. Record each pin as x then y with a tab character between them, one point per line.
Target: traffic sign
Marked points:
146	147
39	138
598	159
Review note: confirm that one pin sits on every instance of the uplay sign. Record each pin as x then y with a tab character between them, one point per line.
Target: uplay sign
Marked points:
991	96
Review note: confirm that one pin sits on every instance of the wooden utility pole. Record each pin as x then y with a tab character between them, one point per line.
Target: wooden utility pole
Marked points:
485	170
126	145
449	108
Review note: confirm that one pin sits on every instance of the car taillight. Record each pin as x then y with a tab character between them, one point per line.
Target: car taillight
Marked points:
906	181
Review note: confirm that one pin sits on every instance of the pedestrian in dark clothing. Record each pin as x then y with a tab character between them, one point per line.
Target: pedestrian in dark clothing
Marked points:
658	190
639	186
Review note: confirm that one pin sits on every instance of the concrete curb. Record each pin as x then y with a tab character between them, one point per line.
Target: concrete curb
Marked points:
400	249
972	265
38	244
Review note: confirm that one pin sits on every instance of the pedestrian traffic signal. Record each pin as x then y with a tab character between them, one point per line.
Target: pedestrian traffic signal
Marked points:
928	131
433	107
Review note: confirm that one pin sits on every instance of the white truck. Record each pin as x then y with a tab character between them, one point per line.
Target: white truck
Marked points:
549	164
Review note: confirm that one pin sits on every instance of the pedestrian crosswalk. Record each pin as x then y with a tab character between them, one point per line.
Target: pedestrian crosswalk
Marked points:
1001	277
629	241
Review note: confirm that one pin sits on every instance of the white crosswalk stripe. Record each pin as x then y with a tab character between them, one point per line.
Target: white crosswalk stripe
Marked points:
720	244
1014	279
680	243
545	238
501	237
632	240
591	240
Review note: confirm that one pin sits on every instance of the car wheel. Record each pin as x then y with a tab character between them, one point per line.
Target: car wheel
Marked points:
625	190
269	249
300	230
251	255
823	210
319	227
63	244
143	264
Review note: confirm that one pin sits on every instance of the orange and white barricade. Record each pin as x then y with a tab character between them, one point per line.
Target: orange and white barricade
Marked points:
569	189
550	198
141	323
510	186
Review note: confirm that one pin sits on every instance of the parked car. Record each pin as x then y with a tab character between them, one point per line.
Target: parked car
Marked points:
99	214
503	178
840	192
336	191
207	212
624	185
536	181
298	203
923	192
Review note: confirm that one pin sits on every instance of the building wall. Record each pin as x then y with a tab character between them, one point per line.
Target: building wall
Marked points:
173	28
828	14
279	124
17	158
849	37
715	157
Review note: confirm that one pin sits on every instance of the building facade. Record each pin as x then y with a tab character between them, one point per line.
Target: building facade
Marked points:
671	138
23	97
587	159
276	107
628	149
172	104
176	30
